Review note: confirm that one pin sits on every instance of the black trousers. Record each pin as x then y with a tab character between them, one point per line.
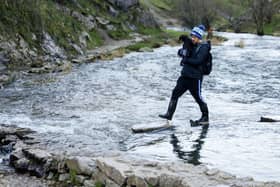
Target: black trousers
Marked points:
194	86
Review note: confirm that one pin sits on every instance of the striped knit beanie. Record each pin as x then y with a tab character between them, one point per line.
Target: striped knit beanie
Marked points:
198	31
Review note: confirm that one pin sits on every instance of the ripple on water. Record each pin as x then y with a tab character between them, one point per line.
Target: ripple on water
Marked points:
92	110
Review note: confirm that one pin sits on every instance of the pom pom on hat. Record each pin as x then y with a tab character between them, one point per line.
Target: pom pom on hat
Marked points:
198	31
202	27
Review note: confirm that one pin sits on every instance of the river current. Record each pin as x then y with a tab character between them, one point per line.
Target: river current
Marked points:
91	110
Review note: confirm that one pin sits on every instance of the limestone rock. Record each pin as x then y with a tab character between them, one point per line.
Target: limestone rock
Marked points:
81	165
111	183
170	181
4	78
89	183
113	169
102	21
50	47
16	155
21	133
124	4
64	177
37	154
84	38
113	11
136	181
65	66
80	179
88	21
22	164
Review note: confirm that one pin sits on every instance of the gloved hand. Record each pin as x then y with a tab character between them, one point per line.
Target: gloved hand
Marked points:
182	62
182	52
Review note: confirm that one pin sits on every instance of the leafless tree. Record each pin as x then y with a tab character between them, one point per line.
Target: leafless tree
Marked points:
262	12
194	12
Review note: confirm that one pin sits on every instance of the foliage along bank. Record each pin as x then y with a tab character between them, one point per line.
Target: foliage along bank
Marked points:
35	32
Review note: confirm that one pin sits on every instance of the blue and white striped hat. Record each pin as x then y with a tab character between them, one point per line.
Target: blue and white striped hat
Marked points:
198	31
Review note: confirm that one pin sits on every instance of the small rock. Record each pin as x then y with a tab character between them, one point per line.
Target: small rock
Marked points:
152	180
16	155
116	170
212	172
80	179
63	177
113	184
8	139
170	181
84	38
89	183
50	176
22	164
64	67
78	61
113	12
37	154
124	4
4	78
22	132
102	21
136	181
270	119
225	175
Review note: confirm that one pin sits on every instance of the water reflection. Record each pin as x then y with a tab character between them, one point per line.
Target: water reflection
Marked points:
192	156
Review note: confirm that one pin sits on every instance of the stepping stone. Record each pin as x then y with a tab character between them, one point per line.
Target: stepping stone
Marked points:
148	127
270	119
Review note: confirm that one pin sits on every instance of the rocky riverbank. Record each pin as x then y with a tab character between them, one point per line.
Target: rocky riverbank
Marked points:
62	31
34	165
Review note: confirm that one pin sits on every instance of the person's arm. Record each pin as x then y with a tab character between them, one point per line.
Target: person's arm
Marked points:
200	57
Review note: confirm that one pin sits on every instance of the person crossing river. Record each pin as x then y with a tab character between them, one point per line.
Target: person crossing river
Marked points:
191	77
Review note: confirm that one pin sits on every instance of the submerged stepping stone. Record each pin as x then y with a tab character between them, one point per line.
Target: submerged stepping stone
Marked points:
270	119
148	127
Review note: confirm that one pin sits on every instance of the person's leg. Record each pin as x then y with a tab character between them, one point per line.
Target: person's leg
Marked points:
177	92
195	89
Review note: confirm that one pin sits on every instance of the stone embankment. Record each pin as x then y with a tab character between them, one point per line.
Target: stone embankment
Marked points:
115	170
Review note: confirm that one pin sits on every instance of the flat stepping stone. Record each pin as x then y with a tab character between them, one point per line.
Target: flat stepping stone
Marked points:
148	127
270	119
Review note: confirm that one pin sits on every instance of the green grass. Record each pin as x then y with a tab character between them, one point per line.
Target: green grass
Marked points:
22	18
95	40
162	4
176	34
157	38
73	177
274	26
99	184
64	30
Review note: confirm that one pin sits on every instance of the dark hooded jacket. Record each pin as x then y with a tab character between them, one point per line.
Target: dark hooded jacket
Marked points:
192	65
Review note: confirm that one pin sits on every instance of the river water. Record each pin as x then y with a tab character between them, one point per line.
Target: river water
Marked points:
91	110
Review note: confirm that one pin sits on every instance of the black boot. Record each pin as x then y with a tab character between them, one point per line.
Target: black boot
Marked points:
203	121
170	111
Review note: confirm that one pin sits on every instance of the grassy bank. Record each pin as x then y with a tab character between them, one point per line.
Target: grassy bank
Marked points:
61	19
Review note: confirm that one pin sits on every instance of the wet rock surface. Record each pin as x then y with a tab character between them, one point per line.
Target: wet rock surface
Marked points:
137	172
114	170
270	119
